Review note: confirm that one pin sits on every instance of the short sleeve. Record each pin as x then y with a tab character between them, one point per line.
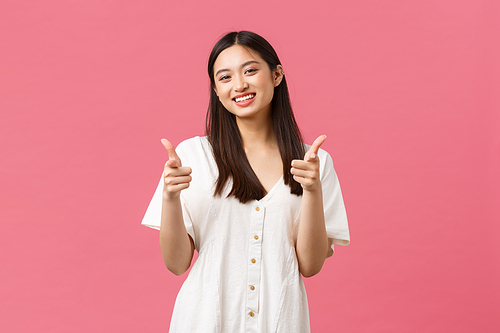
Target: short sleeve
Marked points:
152	218
333	204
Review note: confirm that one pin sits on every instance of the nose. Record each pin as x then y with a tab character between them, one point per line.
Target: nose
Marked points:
239	83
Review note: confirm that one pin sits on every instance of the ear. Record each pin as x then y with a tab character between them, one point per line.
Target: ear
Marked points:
278	75
215	89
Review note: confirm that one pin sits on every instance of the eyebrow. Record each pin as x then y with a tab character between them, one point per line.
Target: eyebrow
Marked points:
243	65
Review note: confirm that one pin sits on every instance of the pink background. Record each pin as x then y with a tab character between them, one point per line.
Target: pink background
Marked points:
407	92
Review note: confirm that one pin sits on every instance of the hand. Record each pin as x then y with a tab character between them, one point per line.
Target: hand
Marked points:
306	172
175	176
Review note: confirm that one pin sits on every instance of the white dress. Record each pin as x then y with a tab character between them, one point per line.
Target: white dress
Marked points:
246	277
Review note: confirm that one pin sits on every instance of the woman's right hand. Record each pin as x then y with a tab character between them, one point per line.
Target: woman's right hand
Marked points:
176	177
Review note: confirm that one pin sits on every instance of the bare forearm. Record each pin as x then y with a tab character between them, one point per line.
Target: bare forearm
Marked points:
176	245
312	241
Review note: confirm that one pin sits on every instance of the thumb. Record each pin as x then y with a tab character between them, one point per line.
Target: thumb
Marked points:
313	151
173	159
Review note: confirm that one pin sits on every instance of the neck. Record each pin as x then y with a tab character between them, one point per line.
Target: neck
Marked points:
257	133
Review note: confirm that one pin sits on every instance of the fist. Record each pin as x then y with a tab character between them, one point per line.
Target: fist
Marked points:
306	172
176	177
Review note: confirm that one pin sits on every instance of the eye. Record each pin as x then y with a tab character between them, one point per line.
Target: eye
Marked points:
250	71
223	77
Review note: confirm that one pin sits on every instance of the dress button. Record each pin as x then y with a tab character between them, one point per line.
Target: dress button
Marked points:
253	261
252	288
251	314
257	208
256	237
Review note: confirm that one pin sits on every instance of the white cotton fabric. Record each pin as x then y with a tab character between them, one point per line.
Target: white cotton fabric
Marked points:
246	277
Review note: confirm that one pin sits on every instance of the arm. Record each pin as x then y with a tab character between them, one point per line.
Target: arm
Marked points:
312	241
176	245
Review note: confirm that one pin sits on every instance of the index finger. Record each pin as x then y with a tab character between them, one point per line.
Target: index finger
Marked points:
172	155
313	151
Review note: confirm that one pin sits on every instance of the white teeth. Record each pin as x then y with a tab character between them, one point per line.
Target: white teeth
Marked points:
244	98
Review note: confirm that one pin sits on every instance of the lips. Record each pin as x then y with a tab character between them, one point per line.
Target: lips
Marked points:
243	98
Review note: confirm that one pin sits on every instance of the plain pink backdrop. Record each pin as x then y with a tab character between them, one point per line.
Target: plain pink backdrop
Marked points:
407	92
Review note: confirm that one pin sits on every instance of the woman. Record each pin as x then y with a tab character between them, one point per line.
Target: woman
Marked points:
259	206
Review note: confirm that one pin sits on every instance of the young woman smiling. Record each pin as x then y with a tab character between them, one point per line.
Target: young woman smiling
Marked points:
259	206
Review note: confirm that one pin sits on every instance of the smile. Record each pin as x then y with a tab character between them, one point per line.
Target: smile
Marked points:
244	98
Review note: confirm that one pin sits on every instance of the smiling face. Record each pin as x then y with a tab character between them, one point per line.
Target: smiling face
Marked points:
244	82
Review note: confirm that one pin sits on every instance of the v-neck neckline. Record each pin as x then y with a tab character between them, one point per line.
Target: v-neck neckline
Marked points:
272	190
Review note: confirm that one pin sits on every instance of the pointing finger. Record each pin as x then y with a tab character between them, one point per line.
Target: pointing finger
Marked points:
313	151
173	159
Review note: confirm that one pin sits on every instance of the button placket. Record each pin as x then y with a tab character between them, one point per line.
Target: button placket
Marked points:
254	266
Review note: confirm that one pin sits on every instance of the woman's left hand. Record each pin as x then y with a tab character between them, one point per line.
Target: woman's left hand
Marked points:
306	171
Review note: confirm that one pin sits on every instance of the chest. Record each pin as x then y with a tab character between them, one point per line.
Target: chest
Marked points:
273	219
268	167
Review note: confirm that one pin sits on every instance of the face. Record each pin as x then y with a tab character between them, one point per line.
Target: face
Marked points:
244	82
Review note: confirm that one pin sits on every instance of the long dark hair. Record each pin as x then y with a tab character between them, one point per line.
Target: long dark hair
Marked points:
224	135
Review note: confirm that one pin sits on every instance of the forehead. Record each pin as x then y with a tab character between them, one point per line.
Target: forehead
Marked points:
234	56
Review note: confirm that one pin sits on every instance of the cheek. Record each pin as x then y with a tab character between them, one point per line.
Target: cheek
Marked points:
222	91
225	101
268	86
269	93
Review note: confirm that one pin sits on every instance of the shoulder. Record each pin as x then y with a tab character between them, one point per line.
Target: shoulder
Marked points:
191	143
196	152
196	145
